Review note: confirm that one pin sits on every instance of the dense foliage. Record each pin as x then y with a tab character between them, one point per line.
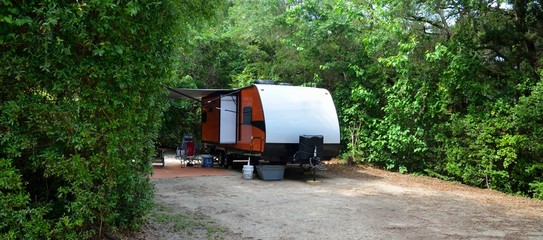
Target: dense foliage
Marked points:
446	88
80	108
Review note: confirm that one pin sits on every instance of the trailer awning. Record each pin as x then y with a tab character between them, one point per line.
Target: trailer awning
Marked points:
196	94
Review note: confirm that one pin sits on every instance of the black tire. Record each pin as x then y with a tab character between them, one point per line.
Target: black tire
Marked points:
222	159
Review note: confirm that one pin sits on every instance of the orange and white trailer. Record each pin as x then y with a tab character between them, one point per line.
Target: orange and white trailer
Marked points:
278	124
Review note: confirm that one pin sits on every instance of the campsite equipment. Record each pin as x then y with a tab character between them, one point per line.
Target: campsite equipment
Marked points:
270	172
207	160
248	171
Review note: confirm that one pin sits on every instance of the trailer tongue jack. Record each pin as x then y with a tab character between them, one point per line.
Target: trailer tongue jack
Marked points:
314	161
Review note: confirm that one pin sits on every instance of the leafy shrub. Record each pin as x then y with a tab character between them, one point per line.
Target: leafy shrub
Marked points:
80	107
529	121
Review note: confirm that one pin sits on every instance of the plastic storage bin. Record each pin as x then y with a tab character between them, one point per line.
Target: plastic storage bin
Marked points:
270	172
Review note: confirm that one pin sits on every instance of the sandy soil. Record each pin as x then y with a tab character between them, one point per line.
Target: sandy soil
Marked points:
345	203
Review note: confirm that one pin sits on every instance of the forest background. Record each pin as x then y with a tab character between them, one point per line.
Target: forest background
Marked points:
445	88
450	89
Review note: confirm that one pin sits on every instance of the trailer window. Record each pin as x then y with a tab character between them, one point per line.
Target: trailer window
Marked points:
247	115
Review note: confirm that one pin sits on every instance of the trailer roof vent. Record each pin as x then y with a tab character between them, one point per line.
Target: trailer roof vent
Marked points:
264	81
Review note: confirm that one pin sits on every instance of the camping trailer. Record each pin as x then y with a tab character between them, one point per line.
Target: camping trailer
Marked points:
276	124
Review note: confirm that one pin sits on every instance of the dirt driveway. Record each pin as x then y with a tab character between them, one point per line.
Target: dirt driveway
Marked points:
364	203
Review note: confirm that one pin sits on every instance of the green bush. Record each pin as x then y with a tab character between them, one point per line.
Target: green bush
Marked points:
80	107
529	121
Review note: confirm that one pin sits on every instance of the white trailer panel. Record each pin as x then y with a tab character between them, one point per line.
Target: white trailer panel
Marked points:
291	111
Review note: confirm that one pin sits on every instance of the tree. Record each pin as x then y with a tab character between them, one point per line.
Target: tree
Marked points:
81	104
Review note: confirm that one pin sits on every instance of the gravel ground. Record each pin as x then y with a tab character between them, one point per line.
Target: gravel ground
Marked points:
344	203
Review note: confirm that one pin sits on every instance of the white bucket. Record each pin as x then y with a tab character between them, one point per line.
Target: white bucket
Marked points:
248	172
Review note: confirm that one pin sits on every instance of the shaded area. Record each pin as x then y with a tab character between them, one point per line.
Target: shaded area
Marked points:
172	169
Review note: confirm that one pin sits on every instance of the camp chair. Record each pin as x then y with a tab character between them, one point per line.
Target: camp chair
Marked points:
189	156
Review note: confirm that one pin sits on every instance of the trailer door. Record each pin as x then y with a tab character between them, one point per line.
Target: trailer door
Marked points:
228	120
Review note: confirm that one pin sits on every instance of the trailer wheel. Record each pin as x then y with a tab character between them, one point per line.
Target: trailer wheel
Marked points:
222	159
